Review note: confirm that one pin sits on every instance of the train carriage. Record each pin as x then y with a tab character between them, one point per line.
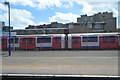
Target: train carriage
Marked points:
61	41
27	42
108	41
89	41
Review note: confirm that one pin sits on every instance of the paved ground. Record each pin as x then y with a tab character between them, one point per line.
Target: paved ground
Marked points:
62	62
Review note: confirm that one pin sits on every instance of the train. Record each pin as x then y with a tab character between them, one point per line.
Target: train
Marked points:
62	41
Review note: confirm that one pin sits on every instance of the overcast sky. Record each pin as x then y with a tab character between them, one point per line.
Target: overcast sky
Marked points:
36	12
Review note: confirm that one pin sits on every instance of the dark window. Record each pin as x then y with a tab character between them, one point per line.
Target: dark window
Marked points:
44	40
105	38
3	41
112	39
57	39
16	40
92	39
24	40
75	39
85	39
38	40
11	40
103	16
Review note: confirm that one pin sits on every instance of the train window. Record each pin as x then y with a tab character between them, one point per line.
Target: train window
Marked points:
105	39
11	40
30	40
85	39
16	40
57	39
44	40
112	39
92	39
24	40
75	39
38	40
3	41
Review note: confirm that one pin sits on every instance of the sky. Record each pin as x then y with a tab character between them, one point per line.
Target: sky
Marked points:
38	12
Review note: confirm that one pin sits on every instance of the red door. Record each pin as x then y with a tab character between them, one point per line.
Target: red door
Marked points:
56	42
109	41
23	43
27	42
104	41
30	43
113	41
75	42
4	43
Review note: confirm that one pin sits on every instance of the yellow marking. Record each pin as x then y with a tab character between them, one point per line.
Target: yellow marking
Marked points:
60	65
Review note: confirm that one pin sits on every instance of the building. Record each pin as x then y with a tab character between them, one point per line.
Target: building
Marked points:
106	17
100	22
53	28
86	27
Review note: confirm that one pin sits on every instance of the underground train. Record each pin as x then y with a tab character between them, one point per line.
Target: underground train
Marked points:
62	41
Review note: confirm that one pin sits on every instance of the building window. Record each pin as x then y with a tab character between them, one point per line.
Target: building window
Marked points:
89	25
91	19
110	26
103	16
97	26
110	21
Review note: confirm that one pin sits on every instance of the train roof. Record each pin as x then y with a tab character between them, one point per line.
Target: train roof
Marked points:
93	34
43	35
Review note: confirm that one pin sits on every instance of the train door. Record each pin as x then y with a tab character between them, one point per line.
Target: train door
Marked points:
108	41
104	41
113	41
31	43
75	42
27	43
4	43
56	44
23	43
